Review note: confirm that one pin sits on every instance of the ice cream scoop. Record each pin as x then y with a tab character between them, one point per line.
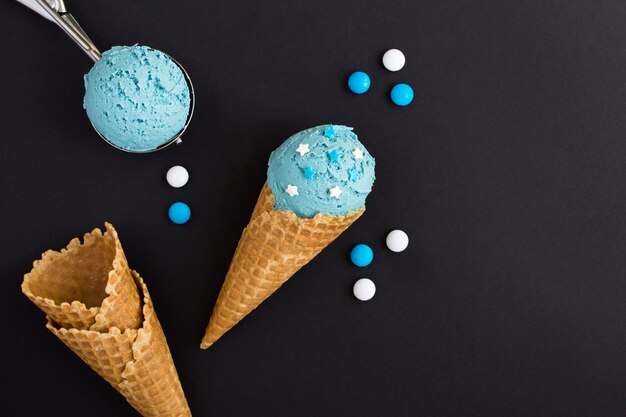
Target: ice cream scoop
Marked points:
324	169
138	99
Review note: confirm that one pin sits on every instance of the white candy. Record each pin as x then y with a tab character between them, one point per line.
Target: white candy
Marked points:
177	176
394	60
364	289
397	240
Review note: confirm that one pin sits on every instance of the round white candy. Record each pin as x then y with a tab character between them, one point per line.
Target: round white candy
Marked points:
177	176
364	289
397	240
394	60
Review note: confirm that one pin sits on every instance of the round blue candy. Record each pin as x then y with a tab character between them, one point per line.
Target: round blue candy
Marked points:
359	82
402	94
361	255
179	213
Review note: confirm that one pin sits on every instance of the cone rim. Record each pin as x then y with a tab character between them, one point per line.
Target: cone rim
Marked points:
116	267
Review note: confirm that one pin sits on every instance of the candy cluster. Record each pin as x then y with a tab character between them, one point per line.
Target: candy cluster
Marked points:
362	255
401	94
179	212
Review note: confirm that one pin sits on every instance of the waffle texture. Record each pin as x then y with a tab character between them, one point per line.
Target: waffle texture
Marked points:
274	245
102	311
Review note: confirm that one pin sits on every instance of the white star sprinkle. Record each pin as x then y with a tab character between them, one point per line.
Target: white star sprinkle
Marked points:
335	191
302	149
358	154
292	190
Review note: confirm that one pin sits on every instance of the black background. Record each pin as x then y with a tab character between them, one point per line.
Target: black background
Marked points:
507	172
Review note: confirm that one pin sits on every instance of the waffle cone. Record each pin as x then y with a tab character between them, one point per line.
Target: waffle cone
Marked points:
274	245
102	311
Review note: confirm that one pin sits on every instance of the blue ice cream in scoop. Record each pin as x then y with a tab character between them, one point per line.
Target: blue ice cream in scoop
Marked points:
324	169
137	97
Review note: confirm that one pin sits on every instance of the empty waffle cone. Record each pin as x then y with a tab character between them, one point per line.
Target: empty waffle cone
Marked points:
86	285
274	245
102	310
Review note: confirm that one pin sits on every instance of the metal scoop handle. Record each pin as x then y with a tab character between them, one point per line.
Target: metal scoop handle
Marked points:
56	11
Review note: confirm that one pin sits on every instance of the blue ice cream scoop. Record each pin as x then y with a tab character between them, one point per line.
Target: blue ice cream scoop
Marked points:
137	98
324	169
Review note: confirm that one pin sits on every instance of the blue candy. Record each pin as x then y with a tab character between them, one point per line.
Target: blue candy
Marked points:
361	255
179	213
402	94
359	82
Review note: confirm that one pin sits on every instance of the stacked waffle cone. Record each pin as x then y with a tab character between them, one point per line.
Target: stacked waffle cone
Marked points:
274	245
102	311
